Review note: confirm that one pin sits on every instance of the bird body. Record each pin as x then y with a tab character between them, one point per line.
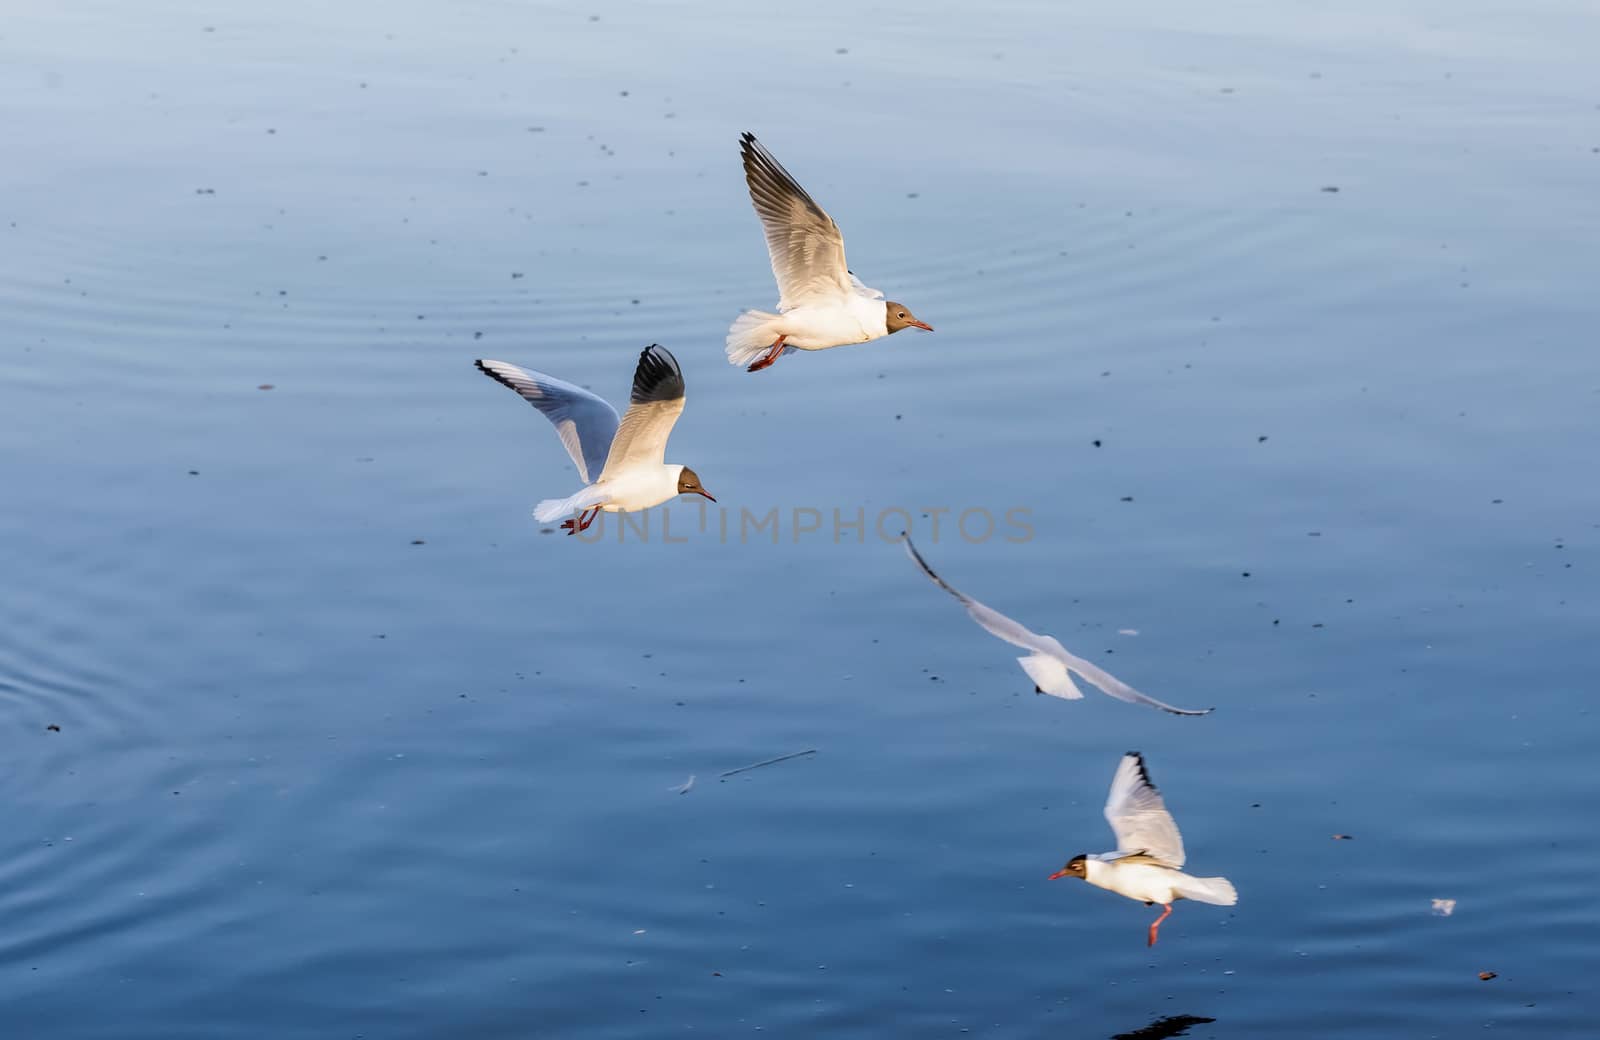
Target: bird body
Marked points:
626	492
1140	878
810	326
821	303
622	461
1148	862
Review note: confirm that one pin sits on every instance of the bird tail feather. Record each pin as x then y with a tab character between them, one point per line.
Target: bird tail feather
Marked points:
556	508
1218	891
1050	676
750	336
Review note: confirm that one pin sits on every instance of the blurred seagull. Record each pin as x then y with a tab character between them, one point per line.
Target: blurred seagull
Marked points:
821	304
1049	664
1146	865
622	464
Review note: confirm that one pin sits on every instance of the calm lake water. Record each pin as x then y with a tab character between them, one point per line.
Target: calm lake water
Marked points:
1275	322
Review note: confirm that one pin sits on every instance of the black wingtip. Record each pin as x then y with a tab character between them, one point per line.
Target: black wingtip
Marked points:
658	377
1144	771
491	373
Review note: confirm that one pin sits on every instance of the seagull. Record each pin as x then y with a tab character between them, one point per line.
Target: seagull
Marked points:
1048	664
821	303
622	463
1149	850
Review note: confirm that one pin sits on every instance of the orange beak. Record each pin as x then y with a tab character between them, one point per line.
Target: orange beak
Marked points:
920	324
1058	874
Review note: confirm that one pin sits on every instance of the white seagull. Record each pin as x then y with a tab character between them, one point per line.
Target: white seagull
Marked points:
1048	664
623	463
821	304
1149	850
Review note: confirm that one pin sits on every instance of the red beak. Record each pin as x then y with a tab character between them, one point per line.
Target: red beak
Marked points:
920	324
1058	874
703	491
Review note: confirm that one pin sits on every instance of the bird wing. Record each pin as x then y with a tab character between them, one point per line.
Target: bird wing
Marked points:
995	622
805	244
1139	817
585	423
864	291
1111	685
656	403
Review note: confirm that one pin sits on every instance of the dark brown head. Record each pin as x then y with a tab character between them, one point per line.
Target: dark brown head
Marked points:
899	316
1077	866
689	484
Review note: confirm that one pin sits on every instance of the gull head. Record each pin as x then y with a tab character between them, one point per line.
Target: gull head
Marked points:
1077	866
898	316
689	484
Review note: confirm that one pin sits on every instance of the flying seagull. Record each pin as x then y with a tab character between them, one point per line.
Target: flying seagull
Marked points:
821	304
623	463
1149	857
1048	663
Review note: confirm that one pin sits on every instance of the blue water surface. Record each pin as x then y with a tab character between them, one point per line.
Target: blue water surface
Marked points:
1272	324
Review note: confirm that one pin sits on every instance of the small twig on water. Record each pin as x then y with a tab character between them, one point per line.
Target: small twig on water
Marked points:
771	761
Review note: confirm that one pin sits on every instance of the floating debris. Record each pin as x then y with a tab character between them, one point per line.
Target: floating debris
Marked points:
1485	976
1344	837
770	761
685	787
1444	907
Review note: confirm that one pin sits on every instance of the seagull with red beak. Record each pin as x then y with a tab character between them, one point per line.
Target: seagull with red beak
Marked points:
821	304
622	461
1146	865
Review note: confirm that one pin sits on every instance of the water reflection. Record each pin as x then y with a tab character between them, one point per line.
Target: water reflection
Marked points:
1161	1028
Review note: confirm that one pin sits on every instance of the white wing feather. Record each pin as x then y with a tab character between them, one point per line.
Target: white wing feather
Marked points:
642	438
806	246
657	401
1138	816
863	290
585	423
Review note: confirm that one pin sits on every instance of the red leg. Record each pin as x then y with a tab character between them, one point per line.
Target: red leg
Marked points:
1157	922
580	522
771	355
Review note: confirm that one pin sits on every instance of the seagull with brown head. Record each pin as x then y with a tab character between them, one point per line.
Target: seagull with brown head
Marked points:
622	461
821	303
